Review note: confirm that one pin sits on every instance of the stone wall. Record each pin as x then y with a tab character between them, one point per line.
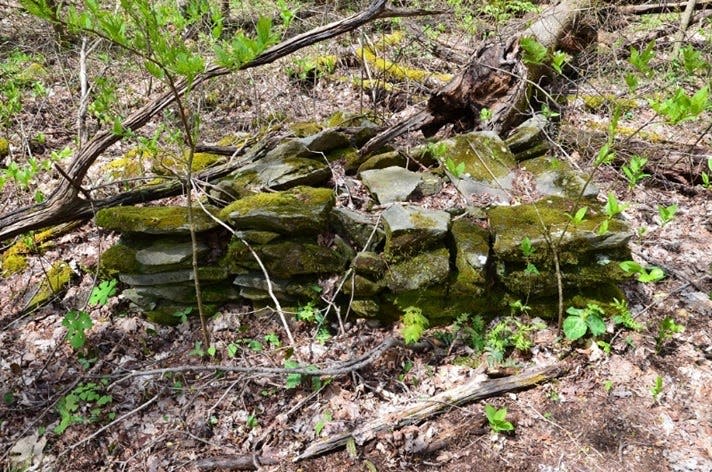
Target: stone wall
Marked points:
439	227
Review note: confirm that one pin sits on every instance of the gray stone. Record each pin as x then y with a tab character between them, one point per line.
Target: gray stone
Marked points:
365	308
410	228
287	148
430	184
392	184
362	229
528	135
326	141
167	253
382	161
554	177
205	274
171	220
298	211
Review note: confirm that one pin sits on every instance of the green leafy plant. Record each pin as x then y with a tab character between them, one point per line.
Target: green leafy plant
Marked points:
657	387
706	176
666	330
485	115
508	333
634	170
84	404
692	60
182	315
583	320
533	51
558	59
273	340
456	169
252	422
294	379
497	419
644	275
77	323
667	213
102	292
414	324
613	207
325	418
640	58
624	317
578	217
682	107
198	349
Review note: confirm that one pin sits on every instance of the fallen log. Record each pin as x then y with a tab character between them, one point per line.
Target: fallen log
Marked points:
474	390
496	78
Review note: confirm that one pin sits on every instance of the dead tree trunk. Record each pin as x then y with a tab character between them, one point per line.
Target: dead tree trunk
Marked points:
495	78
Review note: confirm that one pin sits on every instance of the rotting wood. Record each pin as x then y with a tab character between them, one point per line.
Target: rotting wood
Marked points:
235	462
496	78
667	160
474	390
65	204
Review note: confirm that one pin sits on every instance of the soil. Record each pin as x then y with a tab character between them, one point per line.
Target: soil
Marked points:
602	414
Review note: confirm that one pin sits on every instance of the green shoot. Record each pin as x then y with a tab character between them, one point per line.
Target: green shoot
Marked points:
497	419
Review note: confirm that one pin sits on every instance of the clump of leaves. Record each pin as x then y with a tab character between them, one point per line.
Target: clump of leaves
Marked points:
414	324
533	51
682	107
634	170
667	329
667	213
583	320
497	419
624	317
645	275
456	169
508	333
84	404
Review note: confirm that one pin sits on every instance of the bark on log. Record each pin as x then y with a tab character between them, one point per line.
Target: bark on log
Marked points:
495	78
471	391
671	161
65	204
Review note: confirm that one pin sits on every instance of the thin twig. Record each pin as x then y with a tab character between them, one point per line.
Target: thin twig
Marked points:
339	369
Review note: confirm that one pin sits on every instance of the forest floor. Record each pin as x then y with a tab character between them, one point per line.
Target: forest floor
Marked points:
644	406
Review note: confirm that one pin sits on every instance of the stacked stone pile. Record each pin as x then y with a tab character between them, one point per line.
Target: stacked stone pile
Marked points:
402	252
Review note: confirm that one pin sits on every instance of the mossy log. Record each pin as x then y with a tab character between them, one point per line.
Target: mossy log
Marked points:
474	390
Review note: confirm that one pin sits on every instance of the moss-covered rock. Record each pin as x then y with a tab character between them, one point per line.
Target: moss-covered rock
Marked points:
471	257
368	308
55	280
554	177
283	259
205	274
4	147
302	129
299	211
421	271
410	229
369	264
381	161
360	286
511	224
153	220
361	229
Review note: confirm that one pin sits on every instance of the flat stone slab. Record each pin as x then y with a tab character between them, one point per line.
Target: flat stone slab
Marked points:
411	228
390	185
166	253
301	210
163	278
171	220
